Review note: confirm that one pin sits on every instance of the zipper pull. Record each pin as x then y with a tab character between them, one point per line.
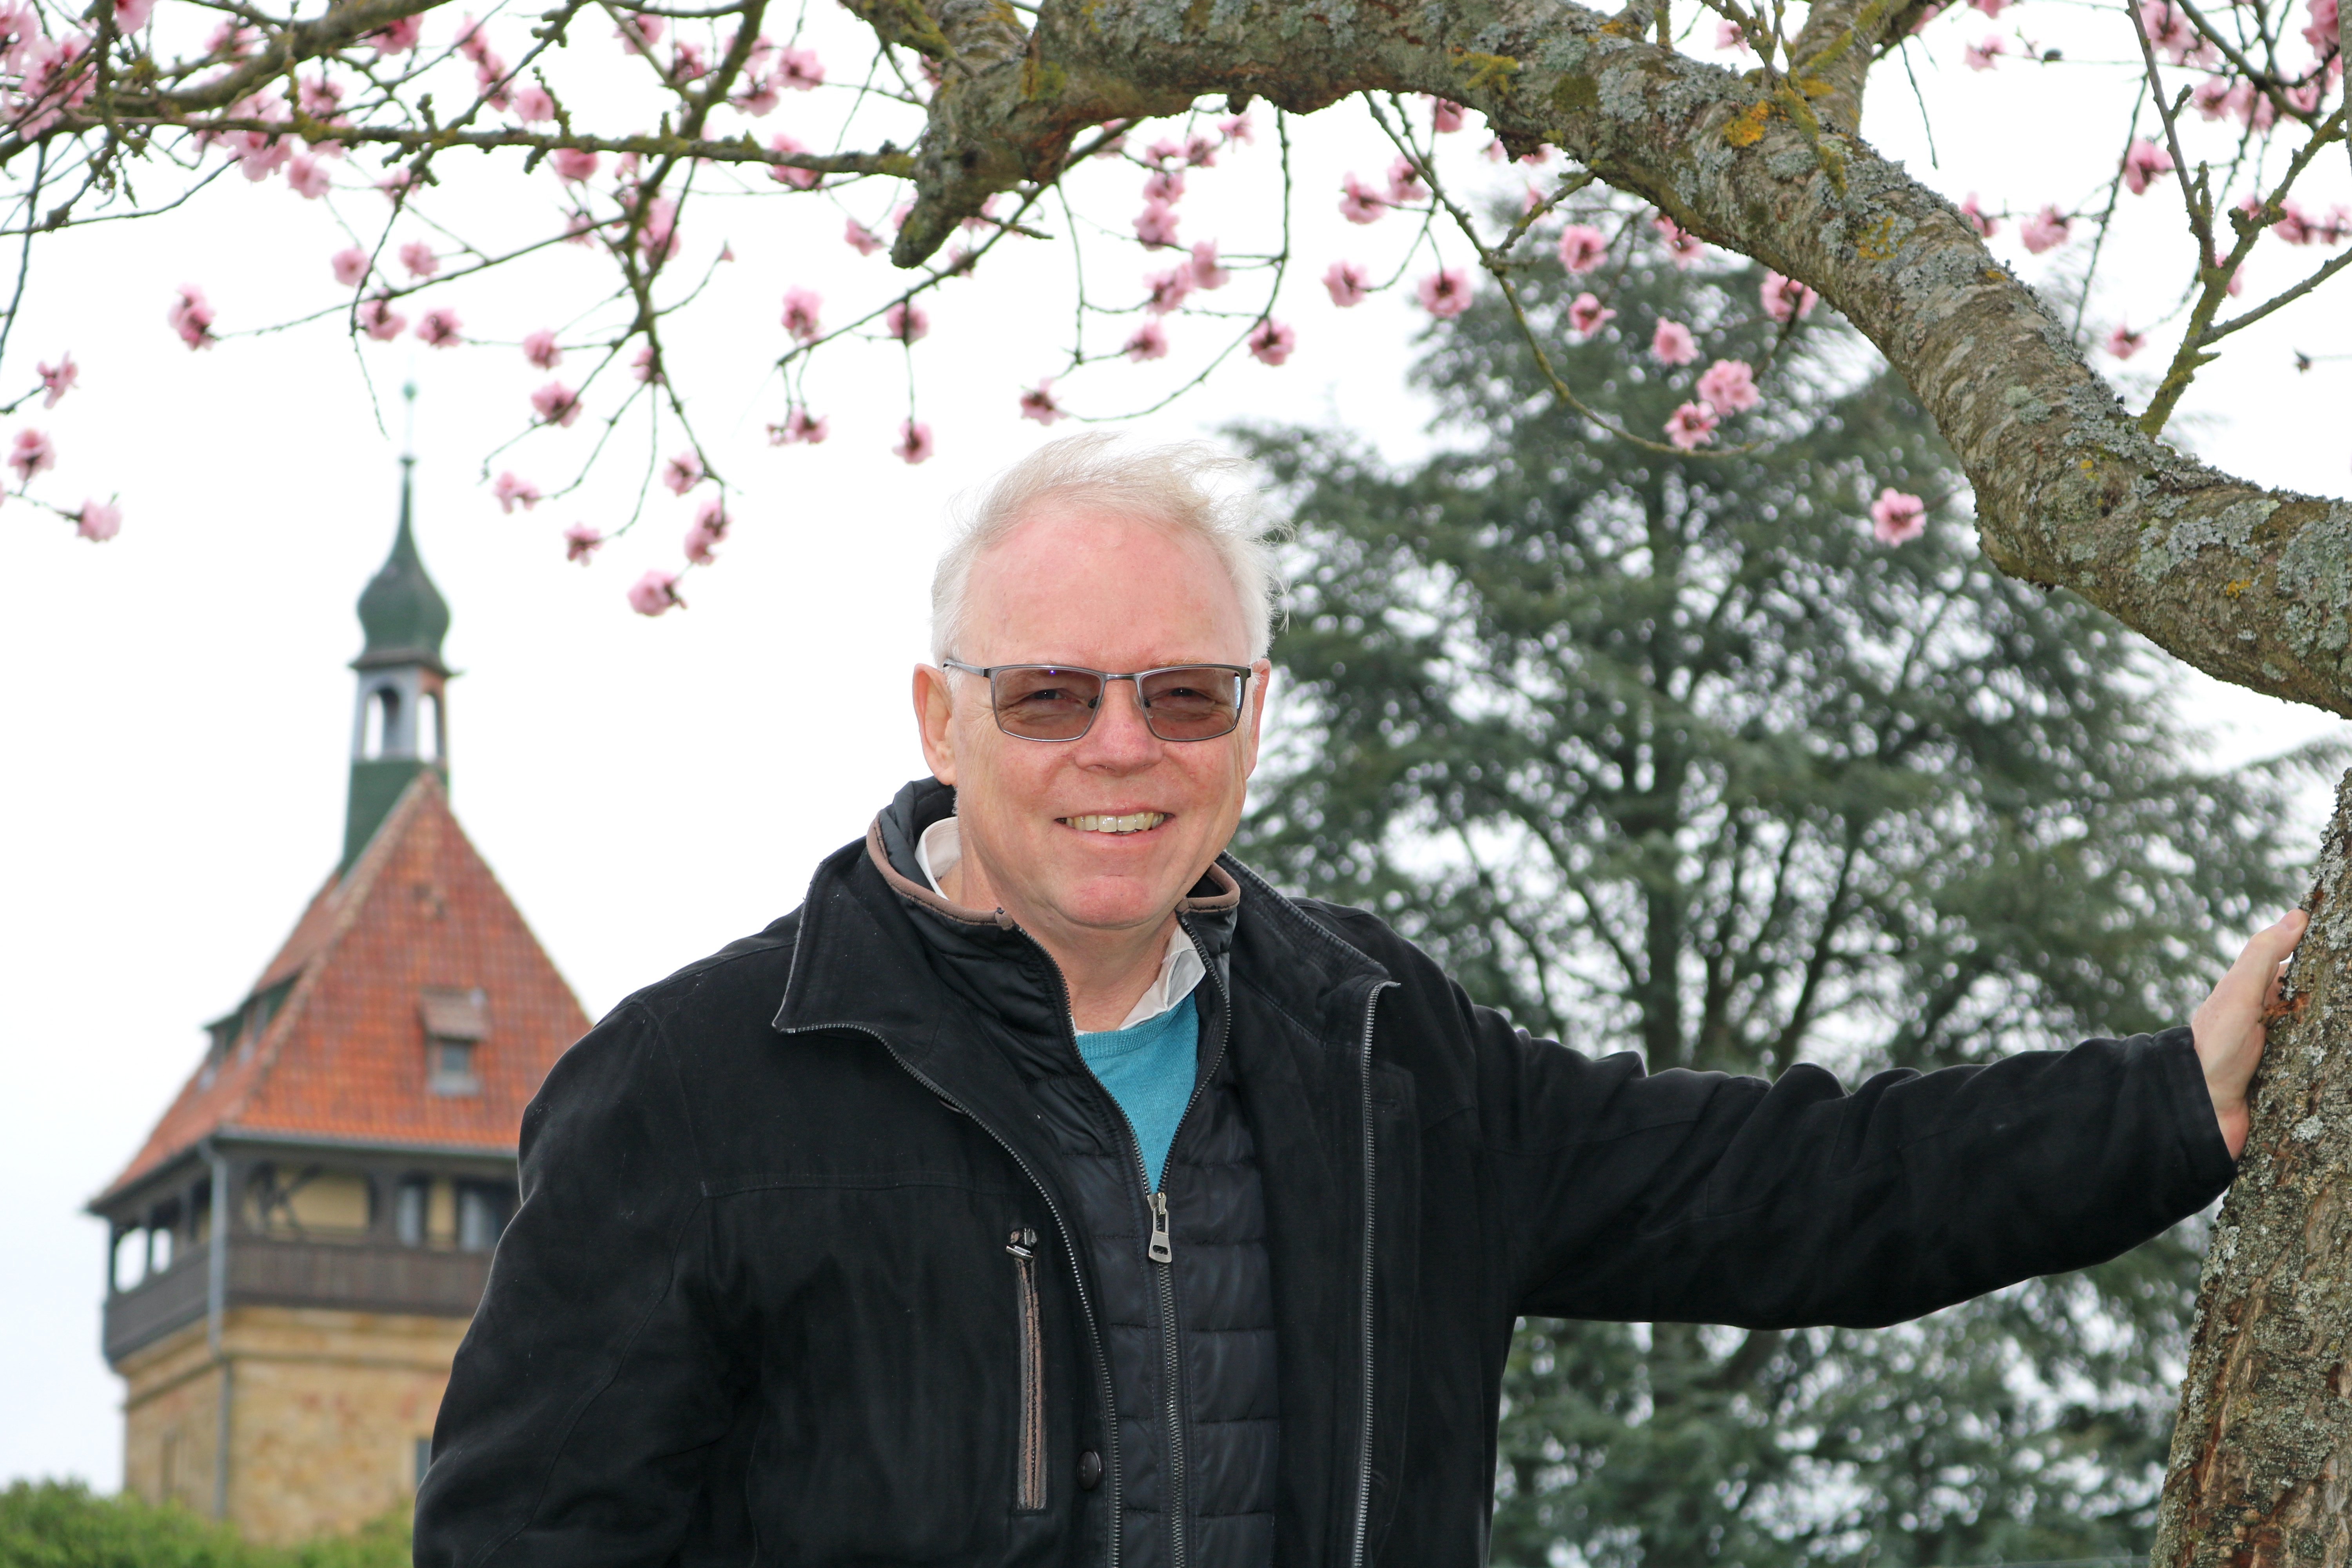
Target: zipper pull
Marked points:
1160	1251
1022	1243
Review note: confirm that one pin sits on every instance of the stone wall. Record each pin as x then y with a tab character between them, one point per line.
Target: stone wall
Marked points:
326	1409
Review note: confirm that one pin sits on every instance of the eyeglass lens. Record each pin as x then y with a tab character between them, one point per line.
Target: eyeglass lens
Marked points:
1040	702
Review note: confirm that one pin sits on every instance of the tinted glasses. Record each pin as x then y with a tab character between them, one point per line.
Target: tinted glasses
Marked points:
1058	702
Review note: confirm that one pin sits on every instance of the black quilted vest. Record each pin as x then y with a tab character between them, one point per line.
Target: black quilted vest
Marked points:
1190	1339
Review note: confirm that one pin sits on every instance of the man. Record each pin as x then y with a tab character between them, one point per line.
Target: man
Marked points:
1048	1189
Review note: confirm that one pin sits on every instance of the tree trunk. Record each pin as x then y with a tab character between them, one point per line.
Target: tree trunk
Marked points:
2261	1472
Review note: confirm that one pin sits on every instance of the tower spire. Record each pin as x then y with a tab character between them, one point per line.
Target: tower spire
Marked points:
398	728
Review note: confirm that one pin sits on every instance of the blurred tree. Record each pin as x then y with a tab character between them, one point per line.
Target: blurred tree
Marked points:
61	1524
1692	755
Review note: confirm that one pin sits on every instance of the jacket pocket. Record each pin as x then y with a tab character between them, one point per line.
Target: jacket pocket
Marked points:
1029	1486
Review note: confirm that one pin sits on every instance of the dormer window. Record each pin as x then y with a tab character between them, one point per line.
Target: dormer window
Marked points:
455	1023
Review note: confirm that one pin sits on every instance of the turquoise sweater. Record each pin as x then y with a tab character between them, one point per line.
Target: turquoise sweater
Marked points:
1149	1069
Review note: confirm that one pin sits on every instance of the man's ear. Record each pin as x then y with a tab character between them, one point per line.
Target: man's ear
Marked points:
1261	679
934	721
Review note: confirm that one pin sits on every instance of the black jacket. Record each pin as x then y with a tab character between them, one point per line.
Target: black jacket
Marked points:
756	1304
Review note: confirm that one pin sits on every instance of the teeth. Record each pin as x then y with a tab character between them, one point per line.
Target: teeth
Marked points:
1137	821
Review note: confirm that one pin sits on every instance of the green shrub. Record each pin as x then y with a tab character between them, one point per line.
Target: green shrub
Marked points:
61	1524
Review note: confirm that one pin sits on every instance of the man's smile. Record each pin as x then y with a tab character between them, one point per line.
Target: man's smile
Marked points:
1130	822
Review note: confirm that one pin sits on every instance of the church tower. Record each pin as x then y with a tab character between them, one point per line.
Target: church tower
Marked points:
299	1246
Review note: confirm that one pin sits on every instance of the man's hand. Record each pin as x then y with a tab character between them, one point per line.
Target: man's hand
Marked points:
2229	1026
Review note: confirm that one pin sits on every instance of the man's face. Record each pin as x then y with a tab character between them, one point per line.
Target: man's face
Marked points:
1074	585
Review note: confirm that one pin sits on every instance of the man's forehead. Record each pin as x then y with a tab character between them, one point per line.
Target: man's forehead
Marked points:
1077	579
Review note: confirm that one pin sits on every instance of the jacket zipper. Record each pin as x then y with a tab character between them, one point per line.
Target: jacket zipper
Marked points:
1069	1247
1030	1490
1364	1460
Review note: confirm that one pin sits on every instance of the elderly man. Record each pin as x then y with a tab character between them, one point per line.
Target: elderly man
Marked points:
1048	1189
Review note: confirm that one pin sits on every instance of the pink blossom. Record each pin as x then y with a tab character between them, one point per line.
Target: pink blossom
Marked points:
1896	517
1346	281
645	365
799	427
263	155
906	322
658	229
1200	151
532	104
1236	128
1445	292
1444	116
1206	272
98	521
1360	204
686	63
2123	342
1925	17
1728	386
394	38
1582	247
1587	314
32	454
418	257
2212	96
1785	299
2166	27
1038	403
1728	35
638	34
1681	244
2251	108
1991	8
1691	427
1981	57
2321	33
1156	224
556	405
1164	292
130	15
1165	185
512	492
799	69
758	96
915	443
1539	157
379	321
785	174
654	592
2143	161
192	317
2304	97
318	97
572	164
1149	342
1672	343
59	379
1164	150
471	44
861	238
710	528
1985	226
580	541
1405	183
2045	230
308	177
439	328
538	348
801	313
351	265
1270	341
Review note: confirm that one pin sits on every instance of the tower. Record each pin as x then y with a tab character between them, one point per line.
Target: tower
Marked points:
297	1246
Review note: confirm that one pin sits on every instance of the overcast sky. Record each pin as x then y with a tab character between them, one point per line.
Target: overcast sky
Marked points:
177	719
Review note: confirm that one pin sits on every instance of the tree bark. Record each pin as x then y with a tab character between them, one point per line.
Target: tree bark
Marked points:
2261	1471
2250	584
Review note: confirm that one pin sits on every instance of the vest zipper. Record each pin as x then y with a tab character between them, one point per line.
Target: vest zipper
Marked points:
1069	1247
1030	1489
1364	1460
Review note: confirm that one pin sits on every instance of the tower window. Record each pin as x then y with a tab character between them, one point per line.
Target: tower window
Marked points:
383	722
450	1066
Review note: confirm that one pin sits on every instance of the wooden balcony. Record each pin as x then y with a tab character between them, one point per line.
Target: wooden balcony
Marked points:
355	1276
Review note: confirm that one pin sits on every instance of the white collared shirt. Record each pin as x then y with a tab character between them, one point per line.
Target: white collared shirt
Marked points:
1180	968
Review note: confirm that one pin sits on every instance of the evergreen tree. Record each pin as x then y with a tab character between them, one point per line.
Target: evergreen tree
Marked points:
1672	753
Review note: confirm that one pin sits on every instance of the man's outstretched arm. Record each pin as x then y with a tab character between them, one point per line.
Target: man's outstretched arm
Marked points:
1703	1197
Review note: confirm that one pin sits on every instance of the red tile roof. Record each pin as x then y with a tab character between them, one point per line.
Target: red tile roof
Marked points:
344	1058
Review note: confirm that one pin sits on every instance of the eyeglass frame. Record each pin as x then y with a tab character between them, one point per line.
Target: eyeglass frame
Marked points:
989	672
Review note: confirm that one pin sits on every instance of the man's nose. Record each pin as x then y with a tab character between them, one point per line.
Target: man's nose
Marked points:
1120	733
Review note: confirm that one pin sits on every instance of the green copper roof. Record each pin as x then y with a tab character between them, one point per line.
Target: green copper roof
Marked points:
402	612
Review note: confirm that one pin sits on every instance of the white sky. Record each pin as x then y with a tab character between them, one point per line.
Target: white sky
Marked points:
177	729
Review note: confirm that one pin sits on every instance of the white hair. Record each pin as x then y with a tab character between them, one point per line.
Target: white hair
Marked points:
1167	486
